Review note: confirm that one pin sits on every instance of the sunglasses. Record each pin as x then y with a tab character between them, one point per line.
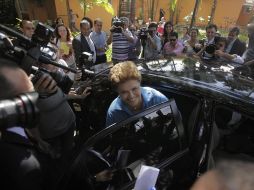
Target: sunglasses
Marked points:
172	40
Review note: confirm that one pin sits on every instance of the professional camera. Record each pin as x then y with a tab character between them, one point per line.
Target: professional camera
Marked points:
209	51
42	34
63	81
85	60
19	111
118	23
85	64
28	53
143	33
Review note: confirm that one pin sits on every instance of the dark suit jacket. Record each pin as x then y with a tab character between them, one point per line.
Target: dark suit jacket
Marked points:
80	45
19	167
238	48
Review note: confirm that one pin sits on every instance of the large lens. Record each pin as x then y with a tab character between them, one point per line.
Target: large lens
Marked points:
20	111
210	49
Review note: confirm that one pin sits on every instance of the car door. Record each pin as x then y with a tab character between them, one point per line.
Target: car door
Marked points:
154	137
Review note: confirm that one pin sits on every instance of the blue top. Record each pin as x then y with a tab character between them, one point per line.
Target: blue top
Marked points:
119	111
99	40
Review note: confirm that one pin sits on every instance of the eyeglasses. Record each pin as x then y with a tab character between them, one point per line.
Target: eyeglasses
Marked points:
172	40
221	45
132	30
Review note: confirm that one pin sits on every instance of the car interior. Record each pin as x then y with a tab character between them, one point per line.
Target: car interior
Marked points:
236	135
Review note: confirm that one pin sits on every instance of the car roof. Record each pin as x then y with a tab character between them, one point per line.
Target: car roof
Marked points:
218	77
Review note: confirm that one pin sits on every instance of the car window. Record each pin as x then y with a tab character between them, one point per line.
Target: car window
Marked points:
148	138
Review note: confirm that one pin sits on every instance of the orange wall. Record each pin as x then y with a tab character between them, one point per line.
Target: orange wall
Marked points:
226	14
244	17
94	13
227	11
61	10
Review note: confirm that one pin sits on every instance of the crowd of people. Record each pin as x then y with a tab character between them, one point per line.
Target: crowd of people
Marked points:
130	41
54	135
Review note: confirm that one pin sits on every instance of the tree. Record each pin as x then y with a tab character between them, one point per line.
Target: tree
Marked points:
195	11
68	11
88	4
133	10
213	11
152	8
172	9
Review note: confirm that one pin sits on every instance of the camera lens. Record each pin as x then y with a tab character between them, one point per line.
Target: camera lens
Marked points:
210	49
19	111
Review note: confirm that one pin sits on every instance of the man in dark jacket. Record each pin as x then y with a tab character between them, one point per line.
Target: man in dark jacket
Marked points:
23	164
235	46
19	165
83	42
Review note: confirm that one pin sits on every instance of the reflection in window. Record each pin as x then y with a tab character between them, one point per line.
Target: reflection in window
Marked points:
148	140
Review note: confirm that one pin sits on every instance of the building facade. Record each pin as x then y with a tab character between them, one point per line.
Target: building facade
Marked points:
227	13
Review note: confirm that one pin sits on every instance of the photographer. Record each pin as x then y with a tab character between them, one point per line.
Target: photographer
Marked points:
120	37
153	43
222	55
211	40
20	161
27	28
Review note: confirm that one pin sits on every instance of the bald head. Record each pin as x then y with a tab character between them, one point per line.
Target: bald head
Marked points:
228	175
208	181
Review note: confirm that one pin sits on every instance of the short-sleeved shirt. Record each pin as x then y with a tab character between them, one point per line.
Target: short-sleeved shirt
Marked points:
120	46
150	52
119	111
99	39
168	49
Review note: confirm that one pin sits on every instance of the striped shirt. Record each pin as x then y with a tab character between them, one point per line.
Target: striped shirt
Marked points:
120	46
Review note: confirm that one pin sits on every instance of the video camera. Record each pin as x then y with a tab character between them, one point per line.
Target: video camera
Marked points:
62	80
117	23
209	51
85	64
19	111
143	33
28	52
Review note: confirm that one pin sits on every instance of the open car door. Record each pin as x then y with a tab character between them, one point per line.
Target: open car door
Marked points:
154	137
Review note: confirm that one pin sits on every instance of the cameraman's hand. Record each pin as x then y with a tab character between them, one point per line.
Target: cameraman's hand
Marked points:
46	85
112	28
78	75
105	175
76	95
219	53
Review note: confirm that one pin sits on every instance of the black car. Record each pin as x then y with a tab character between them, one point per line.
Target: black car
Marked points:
209	116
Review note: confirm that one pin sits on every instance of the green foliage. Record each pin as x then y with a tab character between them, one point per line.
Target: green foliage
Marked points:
75	33
109	54
243	37
172	4
102	3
